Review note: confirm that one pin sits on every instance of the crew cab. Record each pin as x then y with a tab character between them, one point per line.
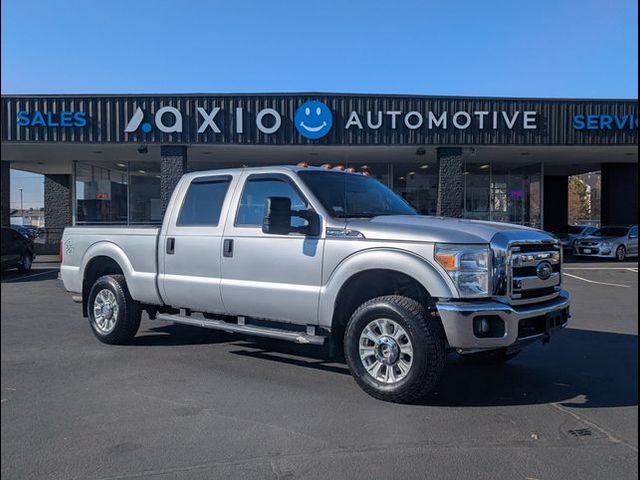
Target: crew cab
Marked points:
325	257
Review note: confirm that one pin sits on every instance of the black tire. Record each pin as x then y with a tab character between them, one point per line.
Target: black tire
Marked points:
621	253
127	320
490	357
26	262
428	342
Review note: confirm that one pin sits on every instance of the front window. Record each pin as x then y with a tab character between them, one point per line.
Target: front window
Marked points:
350	195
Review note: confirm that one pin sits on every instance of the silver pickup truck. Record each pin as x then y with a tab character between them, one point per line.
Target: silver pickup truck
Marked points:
322	256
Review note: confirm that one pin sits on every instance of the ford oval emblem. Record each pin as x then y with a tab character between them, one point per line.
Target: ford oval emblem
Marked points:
544	270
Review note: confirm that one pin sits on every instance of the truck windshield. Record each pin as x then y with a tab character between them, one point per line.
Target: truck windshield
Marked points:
350	195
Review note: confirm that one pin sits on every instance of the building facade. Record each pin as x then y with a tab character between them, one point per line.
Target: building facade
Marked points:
115	159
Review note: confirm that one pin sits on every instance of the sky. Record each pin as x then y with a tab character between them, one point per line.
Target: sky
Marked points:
541	48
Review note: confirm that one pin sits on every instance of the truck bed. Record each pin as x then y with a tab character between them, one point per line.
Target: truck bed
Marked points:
134	247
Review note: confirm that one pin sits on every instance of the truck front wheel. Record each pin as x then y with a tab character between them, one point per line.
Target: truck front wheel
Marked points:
394	351
113	315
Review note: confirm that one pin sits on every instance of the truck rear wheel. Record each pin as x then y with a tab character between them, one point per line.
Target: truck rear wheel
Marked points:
394	351
113	315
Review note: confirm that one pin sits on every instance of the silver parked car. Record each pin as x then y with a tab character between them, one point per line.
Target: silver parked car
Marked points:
609	242
570	233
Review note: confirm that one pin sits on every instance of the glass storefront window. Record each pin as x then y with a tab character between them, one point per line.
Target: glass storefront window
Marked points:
503	192
417	183
144	193
117	193
101	192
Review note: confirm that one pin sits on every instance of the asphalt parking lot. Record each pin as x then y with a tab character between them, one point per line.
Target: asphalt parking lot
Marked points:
181	402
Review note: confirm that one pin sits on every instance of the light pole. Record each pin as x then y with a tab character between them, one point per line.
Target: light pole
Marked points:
21	205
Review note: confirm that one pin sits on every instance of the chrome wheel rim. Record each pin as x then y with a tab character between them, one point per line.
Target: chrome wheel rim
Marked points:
26	262
386	351
105	311
621	253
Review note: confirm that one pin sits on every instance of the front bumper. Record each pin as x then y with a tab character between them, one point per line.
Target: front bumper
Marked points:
597	251
522	323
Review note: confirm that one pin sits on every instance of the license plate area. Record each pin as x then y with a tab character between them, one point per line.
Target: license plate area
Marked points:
542	324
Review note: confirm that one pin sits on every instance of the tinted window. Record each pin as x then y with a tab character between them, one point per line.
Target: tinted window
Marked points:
347	195
256	191
611	232
203	202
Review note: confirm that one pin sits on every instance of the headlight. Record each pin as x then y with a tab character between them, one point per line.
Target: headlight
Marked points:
605	244
468	266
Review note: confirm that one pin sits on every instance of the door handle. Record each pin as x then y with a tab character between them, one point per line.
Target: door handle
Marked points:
171	245
227	248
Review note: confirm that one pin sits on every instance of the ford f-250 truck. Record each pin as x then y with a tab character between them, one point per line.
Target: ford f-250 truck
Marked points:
322	256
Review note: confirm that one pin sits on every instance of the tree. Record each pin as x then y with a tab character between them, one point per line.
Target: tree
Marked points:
579	200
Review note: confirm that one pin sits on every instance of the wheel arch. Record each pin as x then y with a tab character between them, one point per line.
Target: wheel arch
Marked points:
375	273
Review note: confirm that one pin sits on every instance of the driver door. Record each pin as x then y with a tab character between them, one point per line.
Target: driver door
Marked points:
269	276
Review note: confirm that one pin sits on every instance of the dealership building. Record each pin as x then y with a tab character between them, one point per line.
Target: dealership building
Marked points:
115	159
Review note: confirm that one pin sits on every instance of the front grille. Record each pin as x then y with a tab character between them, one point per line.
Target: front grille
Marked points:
535	271
531	271
589	244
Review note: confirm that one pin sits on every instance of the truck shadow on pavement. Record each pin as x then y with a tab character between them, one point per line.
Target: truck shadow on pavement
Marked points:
579	369
35	275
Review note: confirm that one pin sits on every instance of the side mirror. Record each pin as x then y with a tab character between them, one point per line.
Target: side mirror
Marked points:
277	216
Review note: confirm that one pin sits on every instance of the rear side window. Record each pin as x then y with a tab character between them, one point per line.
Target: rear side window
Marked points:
203	203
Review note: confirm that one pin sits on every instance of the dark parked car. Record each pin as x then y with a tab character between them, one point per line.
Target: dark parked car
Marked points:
28	231
17	250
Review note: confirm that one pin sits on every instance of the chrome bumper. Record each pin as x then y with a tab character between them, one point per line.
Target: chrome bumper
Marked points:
457	320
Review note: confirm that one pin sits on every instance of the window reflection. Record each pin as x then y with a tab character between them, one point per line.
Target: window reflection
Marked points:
503	192
117	193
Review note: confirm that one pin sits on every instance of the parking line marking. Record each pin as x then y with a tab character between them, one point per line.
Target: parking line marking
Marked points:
601	268
598	283
13	280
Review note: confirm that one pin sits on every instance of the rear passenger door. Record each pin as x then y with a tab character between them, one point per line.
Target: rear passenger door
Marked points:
191	245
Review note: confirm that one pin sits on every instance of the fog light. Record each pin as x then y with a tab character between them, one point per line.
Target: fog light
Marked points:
489	326
481	325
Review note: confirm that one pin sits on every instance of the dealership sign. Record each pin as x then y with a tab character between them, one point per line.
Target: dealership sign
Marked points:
605	122
313	119
300	119
49	119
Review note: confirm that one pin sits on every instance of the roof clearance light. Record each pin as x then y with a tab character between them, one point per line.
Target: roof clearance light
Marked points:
350	169
339	167
326	165
303	164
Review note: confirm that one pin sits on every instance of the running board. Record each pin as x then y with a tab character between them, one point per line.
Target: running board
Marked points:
280	334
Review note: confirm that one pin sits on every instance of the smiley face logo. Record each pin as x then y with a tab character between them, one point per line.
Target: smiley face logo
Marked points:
313	119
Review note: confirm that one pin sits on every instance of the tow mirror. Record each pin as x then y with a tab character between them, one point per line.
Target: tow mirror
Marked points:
278	214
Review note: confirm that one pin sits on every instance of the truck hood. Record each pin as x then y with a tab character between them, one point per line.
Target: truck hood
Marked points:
422	228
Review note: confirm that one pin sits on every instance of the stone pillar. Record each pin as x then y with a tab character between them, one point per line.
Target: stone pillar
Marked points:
57	211
556	202
5	191
450	182
173	164
619	205
57	201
